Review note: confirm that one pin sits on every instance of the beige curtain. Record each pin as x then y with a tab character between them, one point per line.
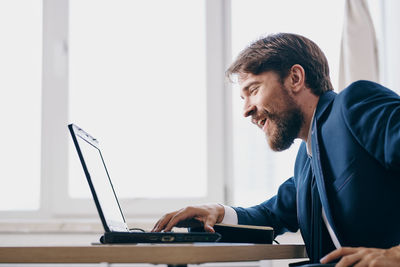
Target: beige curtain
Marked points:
359	52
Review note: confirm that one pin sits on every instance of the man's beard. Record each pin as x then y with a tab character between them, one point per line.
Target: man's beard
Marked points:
285	126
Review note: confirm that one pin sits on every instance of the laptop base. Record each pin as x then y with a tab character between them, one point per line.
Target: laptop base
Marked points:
150	237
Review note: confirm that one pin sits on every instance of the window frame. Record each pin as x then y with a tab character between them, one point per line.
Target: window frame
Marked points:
54	199
65	205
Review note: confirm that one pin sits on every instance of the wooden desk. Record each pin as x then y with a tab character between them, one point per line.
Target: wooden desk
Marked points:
171	254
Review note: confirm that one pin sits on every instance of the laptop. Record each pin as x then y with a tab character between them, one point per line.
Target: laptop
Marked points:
107	204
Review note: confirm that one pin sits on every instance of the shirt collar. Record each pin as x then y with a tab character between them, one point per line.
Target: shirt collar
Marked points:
308	143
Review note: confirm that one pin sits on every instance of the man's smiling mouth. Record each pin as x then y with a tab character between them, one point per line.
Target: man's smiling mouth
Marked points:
262	120
261	123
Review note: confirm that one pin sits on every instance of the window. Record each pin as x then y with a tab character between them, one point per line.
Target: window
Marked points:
124	71
20	104
140	80
258	171
143	91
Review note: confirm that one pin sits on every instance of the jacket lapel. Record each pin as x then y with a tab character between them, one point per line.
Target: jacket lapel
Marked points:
324	102
304	205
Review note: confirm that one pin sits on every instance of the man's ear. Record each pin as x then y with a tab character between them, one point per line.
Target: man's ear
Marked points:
297	78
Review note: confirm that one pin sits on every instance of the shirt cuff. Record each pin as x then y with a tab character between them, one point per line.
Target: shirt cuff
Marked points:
230	216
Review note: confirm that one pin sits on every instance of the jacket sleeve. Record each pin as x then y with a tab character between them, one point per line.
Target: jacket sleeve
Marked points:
279	212
372	113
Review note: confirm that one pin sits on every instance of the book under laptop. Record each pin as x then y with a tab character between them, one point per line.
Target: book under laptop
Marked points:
106	200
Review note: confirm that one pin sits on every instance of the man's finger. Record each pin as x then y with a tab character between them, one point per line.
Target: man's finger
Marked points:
350	259
208	225
368	259
155	226
338	253
209	229
162	222
186	213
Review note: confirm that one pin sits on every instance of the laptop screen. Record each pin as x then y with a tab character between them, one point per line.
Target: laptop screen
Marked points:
103	189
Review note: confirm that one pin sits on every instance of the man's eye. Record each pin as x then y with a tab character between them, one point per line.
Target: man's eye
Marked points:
253	90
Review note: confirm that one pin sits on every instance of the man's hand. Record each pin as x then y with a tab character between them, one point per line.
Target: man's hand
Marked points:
207	214
372	257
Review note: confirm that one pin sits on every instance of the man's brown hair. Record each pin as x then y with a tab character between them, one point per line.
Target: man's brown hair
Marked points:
278	53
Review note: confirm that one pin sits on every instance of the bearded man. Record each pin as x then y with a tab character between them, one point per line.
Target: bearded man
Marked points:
346	184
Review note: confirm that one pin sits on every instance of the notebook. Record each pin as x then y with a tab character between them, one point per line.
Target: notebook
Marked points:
106	200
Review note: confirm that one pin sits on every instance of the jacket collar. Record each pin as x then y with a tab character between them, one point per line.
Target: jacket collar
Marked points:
323	103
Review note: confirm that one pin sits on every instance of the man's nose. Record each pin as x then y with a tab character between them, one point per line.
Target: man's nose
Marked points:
248	109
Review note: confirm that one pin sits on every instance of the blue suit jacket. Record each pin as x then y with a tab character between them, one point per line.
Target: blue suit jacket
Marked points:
356	164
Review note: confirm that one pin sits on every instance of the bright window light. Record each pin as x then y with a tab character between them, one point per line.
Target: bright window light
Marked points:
138	84
20	103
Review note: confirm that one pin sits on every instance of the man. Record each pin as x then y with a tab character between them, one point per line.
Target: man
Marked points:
346	184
